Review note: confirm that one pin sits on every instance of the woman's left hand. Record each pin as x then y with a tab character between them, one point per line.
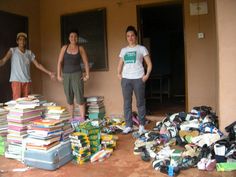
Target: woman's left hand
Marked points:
145	78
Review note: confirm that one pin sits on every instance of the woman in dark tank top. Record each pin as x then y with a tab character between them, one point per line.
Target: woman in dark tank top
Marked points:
70	72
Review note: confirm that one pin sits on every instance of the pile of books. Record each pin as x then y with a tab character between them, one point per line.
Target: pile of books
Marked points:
109	141
3	122
93	133
38	97
60	113
80	147
3	129
44	134
77	115
19	118
95	107
57	113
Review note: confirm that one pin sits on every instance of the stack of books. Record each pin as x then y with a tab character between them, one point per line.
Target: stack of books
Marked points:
19	118
95	107
44	134
57	113
94	135
3	129
60	113
108	141
77	115
80	147
67	130
3	122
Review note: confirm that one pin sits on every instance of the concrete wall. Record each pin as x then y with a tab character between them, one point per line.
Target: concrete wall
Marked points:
226	27
201	58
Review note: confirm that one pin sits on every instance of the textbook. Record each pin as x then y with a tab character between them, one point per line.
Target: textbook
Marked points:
42	147
41	142
47	122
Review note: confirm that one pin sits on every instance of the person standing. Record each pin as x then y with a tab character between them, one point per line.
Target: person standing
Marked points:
21	59
132	75
70	73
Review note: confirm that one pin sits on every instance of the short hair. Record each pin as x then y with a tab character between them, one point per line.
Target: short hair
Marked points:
132	28
73	31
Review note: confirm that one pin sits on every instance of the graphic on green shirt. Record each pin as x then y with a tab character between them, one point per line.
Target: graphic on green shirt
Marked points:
130	57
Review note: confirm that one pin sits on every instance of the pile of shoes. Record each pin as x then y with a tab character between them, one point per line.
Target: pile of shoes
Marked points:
201	143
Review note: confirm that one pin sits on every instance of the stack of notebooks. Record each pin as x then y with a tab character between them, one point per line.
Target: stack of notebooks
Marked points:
38	97
108	141
77	115
80	147
95	106
60	113
44	134
94	135
3	129
57	113
3	122
19	117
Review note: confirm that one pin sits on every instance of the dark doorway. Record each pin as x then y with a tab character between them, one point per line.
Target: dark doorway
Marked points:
161	31
10	24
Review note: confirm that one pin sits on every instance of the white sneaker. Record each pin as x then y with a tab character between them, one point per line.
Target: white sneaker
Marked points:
141	130
127	130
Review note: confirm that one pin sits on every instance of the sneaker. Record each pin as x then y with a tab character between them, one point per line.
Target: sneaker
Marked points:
141	130
189	162
201	165
145	156
169	170
157	163
136	134
211	165
127	130
138	150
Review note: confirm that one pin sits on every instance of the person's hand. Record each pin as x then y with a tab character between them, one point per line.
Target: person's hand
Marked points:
145	78
52	75
119	76
85	78
59	78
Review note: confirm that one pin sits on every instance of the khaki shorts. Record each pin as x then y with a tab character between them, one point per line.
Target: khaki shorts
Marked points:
73	87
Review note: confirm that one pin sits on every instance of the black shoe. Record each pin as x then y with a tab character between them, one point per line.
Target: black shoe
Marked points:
145	156
204	153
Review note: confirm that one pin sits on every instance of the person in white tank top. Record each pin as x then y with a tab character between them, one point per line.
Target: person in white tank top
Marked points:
21	59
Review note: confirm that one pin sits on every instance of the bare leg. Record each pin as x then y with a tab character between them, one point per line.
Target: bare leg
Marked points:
82	110
71	110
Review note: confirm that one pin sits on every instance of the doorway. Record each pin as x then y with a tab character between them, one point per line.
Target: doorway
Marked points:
10	24
161	31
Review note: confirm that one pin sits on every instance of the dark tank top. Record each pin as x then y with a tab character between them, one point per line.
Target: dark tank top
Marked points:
71	62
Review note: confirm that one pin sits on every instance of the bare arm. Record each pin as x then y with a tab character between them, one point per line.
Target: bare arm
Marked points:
85	61
60	62
42	68
5	58
119	68
147	60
